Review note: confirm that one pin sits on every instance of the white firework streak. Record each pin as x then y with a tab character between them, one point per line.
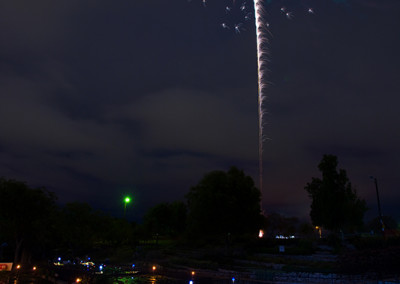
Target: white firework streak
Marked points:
262	40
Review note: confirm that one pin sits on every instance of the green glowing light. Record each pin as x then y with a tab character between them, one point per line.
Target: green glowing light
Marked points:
127	199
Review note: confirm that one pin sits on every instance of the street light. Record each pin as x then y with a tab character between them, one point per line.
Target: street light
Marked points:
379	203
127	199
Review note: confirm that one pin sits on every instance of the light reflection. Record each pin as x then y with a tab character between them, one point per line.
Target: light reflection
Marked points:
153	280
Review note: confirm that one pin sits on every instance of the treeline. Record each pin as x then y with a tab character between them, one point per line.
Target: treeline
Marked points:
222	207
32	225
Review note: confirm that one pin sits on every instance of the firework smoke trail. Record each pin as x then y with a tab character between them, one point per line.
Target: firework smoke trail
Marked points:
261	30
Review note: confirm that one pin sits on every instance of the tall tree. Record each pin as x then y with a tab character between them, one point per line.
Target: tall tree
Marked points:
335	204
224	202
25	216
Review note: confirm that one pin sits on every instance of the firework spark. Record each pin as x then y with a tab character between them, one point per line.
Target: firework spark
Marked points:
262	40
236	16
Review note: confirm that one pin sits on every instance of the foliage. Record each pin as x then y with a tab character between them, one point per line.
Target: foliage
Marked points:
168	219
224	203
335	204
32	225
81	229
25	216
76	226
306	230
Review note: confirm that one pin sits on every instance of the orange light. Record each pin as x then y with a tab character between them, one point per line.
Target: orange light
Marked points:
34	268
154	268
78	280
193	273
18	266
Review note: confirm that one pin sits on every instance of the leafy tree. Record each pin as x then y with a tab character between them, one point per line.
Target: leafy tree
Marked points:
77	227
224	202
166	219
335	204
81	229
25	217
178	217
113	231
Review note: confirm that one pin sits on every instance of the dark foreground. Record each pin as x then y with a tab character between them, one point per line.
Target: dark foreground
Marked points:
185	276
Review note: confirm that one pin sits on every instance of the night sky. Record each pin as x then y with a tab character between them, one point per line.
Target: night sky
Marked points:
143	97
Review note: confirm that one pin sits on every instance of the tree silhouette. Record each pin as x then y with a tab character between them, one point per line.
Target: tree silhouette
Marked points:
25	216
335	204
224	202
168	219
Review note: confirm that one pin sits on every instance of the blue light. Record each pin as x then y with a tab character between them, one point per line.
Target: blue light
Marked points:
101	267
133	266
190	282
59	259
233	279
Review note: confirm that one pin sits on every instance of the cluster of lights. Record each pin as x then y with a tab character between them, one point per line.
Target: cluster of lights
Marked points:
282	237
87	263
101	267
58	263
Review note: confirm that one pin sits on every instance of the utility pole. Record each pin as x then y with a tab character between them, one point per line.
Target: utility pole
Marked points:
379	204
